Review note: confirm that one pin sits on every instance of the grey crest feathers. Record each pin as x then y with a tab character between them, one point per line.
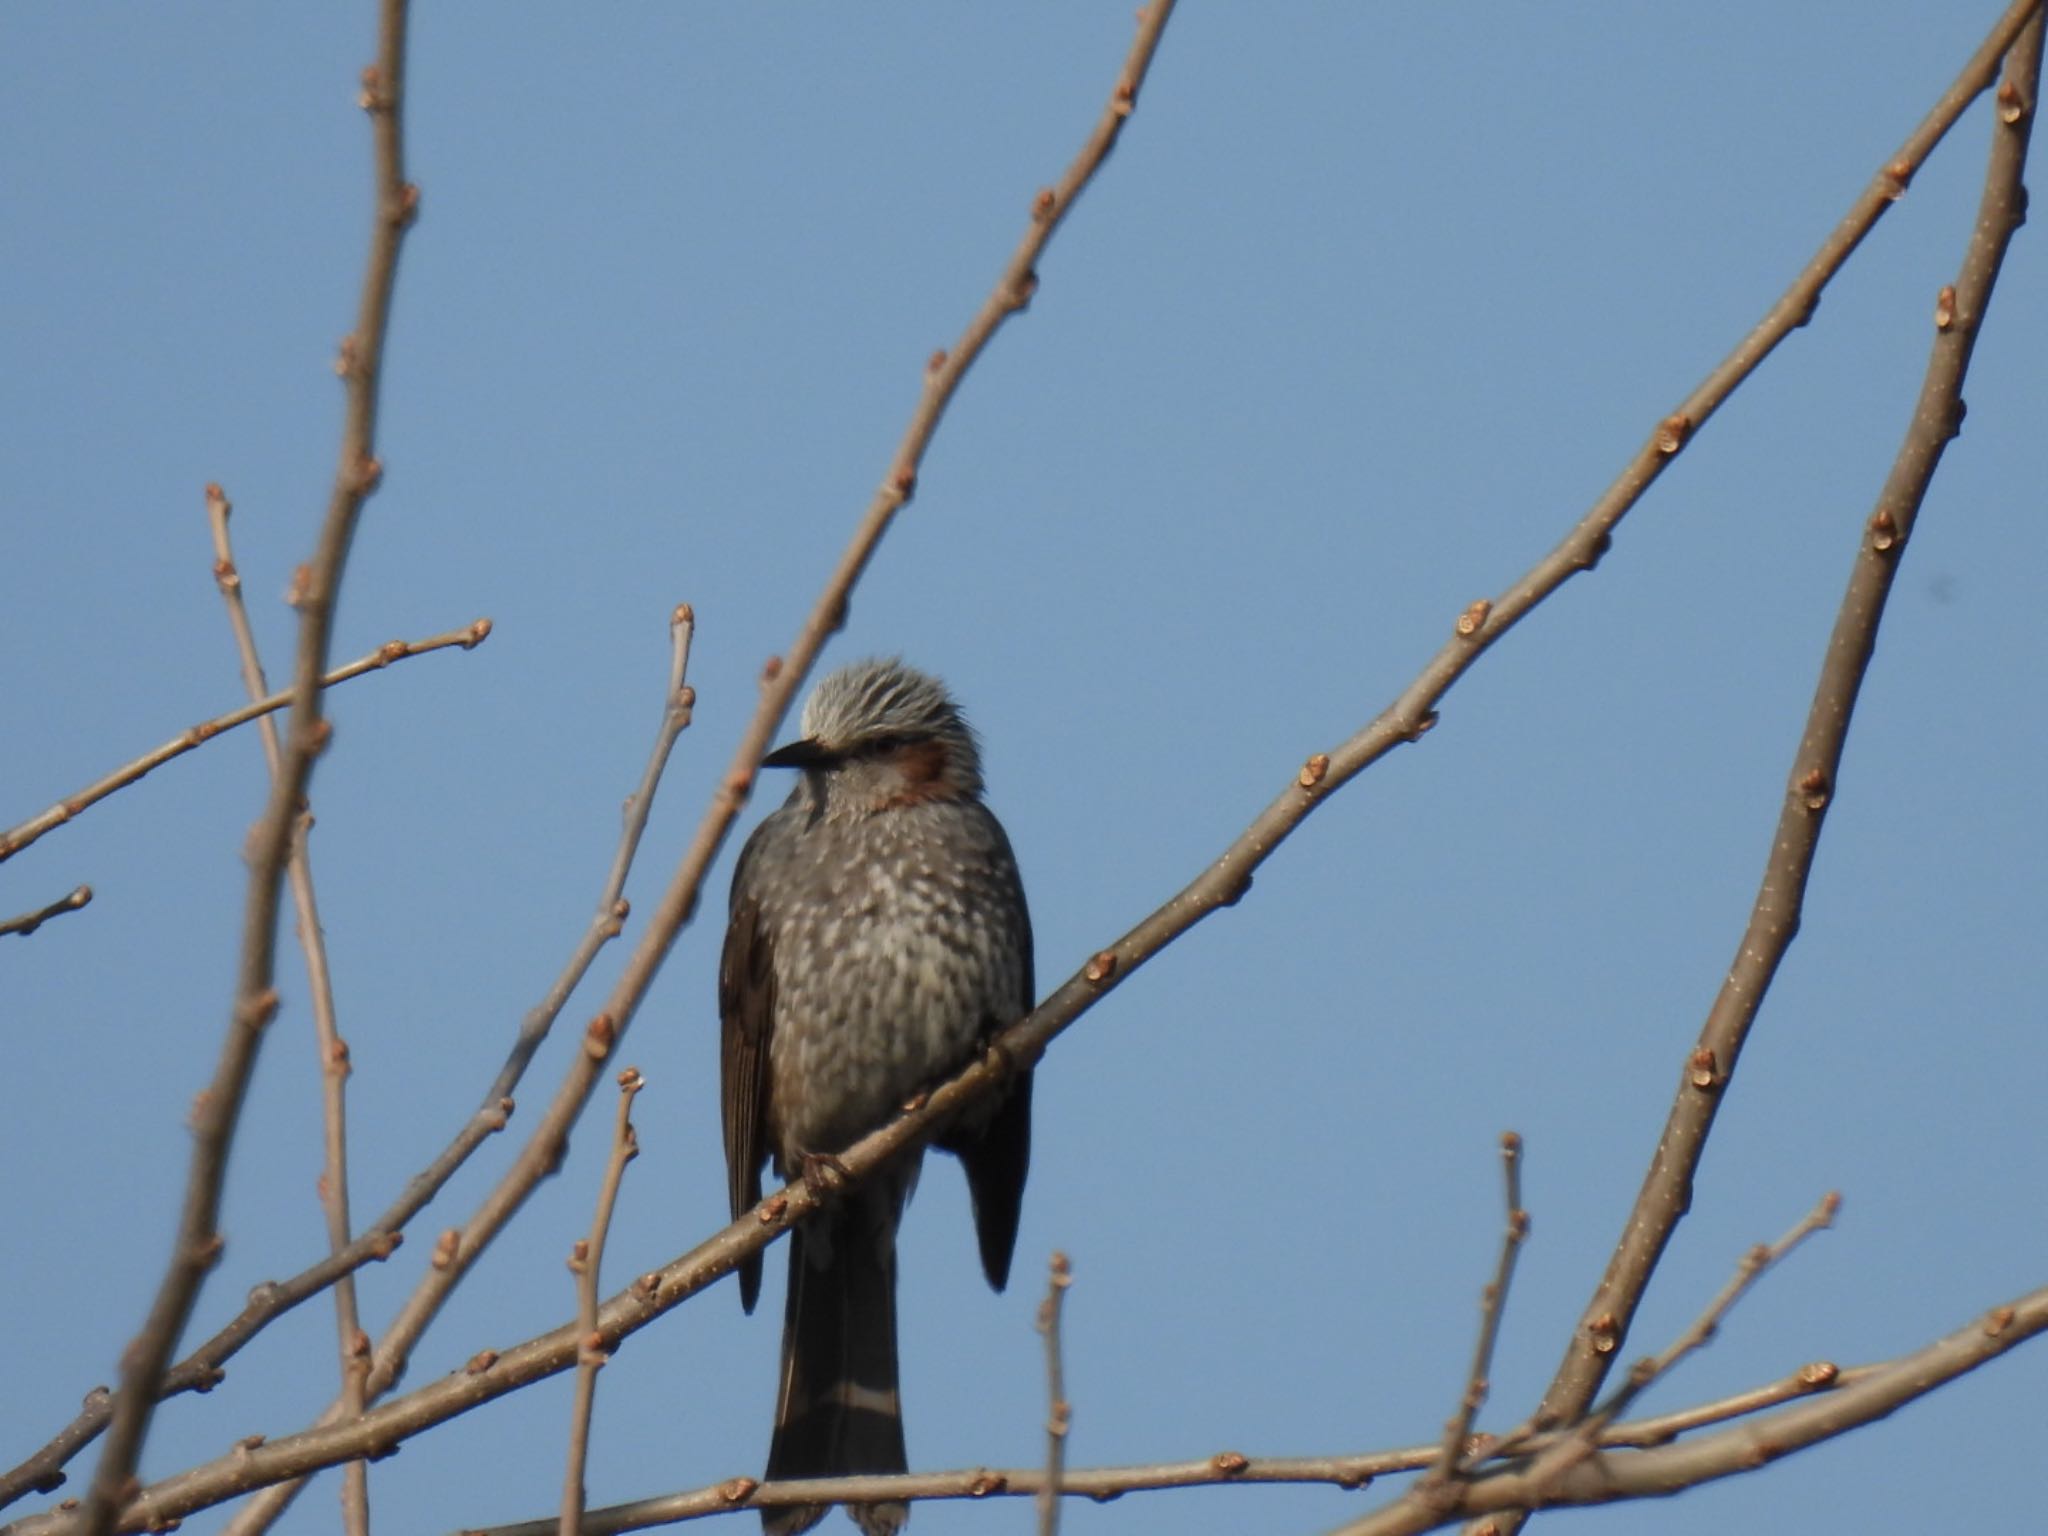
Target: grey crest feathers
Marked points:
883	701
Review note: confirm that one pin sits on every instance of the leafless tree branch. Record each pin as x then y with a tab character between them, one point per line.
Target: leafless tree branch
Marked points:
1774	920
12	841
458	1249
612	907
1059	1413
197	1245
1584	1438
1492	1305
27	923
1655	1472
333	1051
585	1262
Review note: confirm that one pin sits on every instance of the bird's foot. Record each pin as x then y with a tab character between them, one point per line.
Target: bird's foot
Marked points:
822	1172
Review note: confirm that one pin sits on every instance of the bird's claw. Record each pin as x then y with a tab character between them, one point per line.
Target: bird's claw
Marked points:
820	1171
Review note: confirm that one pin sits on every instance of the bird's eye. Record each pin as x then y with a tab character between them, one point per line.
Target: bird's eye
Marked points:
884	744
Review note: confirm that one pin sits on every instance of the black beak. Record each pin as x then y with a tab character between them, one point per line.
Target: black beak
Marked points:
807	753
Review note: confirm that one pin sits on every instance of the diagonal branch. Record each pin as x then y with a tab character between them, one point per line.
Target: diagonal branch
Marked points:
353	1343
17	838
457	1249
1774	919
1744	1447
612	907
197	1244
1492	1305
585	1260
1584	1438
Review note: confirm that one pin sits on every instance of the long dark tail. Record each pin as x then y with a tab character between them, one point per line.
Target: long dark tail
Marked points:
839	1411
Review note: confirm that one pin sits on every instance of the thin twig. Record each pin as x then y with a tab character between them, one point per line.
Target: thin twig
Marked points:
1584	1438
28	922
1774	918
353	1344
1634	1474
584	1261
612	907
459	1249
1492	1305
1059	1413
201	1370
197	1244
468	638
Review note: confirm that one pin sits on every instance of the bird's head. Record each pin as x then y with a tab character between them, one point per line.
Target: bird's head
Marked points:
878	735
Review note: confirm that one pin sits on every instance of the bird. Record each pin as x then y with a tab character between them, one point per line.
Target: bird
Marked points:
877	939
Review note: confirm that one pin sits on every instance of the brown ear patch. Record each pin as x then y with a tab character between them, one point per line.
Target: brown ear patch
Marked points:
923	766
922	761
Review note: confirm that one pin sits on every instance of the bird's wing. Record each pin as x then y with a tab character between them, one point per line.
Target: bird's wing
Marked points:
997	1157
746	1012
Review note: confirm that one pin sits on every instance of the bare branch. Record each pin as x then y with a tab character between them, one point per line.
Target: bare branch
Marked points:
201	1370
197	1245
1492	1305
353	1343
585	1261
28	922
12	841
612	907
1584	1438
1652	1473
1059	1413
459	1249
1774	919
1814	1376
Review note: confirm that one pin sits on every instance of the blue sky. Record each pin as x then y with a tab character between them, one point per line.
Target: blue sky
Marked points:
1371	301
